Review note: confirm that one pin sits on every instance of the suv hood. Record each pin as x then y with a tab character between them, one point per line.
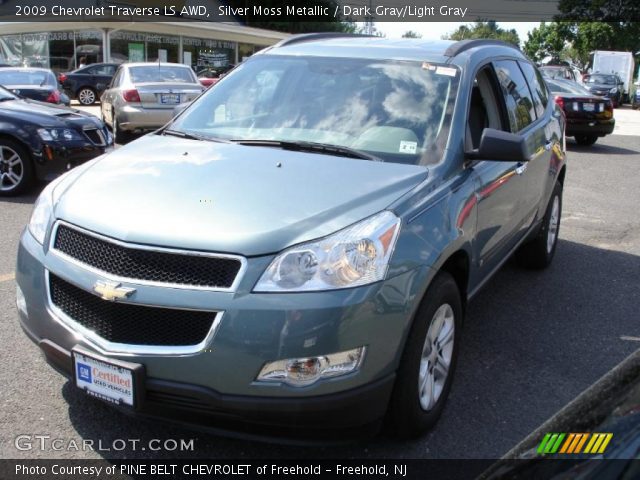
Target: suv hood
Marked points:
230	198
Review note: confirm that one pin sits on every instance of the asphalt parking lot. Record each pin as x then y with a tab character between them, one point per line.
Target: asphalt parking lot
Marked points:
532	341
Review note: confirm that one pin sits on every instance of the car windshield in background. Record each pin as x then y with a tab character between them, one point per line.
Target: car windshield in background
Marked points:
567	87
602	79
395	111
161	74
13	77
6	95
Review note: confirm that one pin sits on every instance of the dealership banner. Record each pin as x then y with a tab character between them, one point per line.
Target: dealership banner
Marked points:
318	10
409	469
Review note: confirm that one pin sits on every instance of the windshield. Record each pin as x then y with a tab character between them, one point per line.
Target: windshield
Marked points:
566	87
162	74
27	77
555	72
605	79
395	111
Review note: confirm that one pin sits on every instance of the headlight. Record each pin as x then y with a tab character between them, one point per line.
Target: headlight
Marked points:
41	215
613	90
58	134
42	211
357	255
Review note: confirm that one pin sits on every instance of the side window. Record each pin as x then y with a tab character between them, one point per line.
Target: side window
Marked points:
90	71
516	94
484	110
537	86
116	79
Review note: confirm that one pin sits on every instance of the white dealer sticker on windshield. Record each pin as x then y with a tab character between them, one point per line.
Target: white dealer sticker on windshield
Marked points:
450	72
408	147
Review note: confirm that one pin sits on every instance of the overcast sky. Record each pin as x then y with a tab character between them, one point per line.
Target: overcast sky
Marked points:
435	30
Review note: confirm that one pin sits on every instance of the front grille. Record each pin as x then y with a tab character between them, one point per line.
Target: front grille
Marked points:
130	324
95	135
147	265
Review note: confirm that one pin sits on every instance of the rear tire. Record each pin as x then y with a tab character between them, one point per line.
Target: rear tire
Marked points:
538	253
86	96
428	362
119	136
16	169
586	139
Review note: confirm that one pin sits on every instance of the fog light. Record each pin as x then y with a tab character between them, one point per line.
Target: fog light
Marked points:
299	372
21	302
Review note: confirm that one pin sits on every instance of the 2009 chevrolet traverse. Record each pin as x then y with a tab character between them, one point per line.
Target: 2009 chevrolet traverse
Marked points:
294	252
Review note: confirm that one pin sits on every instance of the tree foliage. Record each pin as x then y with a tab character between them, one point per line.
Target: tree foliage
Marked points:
411	34
482	29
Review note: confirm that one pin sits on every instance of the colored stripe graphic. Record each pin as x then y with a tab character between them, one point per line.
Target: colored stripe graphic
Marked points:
605	443
567	443
572	443
582	442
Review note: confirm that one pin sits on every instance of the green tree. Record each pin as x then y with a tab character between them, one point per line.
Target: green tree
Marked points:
548	40
611	25
411	34
483	29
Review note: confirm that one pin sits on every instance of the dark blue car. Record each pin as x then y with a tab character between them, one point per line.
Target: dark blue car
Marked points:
86	84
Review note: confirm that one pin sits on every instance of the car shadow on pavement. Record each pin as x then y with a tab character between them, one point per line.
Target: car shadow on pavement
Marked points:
600	149
533	340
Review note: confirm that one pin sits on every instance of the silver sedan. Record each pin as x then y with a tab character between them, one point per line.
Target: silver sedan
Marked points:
142	96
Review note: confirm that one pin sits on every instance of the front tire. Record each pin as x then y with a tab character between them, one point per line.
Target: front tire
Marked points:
538	253
16	169
428	362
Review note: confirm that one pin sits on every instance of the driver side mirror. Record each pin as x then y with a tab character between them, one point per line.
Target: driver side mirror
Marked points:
500	146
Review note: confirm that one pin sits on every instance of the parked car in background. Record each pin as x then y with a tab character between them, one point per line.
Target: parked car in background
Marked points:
617	63
87	84
294	253
40	141
559	71
34	83
635	103
142	96
211	75
605	85
588	116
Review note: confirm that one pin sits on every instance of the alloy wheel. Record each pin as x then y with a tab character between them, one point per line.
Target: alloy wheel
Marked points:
86	96
437	354
554	221
11	169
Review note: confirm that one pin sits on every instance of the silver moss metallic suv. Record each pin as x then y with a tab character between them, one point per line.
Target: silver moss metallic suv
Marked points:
294	252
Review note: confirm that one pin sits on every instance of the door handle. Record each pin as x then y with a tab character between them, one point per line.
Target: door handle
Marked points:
520	168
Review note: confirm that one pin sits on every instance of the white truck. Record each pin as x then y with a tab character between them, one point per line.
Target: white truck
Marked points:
620	63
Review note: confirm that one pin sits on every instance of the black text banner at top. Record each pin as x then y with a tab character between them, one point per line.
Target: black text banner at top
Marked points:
260	11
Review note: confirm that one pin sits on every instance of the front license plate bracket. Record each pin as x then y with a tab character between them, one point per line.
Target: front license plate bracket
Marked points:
113	381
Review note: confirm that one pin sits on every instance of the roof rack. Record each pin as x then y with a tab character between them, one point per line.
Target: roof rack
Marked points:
310	37
464	45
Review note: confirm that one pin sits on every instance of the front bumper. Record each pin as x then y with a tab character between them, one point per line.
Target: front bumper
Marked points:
216	387
52	160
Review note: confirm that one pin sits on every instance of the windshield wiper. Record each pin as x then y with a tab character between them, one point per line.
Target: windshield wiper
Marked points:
190	136
324	148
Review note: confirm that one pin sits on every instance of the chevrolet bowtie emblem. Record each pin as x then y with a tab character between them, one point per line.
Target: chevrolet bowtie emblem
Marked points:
112	291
